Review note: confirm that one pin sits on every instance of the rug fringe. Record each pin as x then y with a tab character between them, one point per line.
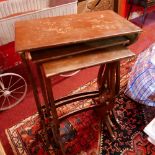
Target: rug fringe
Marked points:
12	146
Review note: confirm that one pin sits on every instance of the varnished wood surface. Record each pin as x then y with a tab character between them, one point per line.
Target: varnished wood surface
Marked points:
70	50
61	30
85	60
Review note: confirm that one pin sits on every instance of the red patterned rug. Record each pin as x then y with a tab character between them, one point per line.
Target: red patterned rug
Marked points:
85	134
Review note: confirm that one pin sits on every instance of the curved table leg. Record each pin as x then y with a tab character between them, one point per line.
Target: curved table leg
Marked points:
108	85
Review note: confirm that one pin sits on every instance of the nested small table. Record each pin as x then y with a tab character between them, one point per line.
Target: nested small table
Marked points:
68	43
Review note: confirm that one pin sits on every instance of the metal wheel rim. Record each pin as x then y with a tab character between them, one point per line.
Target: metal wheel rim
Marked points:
7	92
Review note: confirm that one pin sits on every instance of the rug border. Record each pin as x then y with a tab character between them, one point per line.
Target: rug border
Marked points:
11	144
14	150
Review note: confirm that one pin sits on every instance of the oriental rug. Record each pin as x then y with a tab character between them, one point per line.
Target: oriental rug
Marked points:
85	133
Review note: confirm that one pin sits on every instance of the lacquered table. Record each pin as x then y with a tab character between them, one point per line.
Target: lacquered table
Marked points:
68	43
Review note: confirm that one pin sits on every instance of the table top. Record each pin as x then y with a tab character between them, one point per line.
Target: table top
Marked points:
85	60
65	51
57	31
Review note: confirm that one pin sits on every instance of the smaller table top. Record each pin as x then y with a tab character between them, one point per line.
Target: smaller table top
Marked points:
85	60
64	51
49	32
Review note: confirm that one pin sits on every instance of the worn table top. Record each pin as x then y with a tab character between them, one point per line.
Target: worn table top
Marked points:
85	60
50	32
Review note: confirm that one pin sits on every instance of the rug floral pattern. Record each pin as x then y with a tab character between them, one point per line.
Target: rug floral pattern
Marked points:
85	134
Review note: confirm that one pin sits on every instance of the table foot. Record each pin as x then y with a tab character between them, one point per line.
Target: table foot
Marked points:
109	128
115	117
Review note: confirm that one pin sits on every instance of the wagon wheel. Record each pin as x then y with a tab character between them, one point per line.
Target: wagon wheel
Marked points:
13	89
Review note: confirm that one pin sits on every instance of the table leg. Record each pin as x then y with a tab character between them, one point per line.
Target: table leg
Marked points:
33	84
117	77
108	85
117	89
43	88
55	120
36	96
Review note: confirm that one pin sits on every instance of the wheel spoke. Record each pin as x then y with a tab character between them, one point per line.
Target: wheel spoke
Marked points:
14	83
17	88
1	95
2	80
1	90
8	101
10	81
3	102
14	97
2	84
17	92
